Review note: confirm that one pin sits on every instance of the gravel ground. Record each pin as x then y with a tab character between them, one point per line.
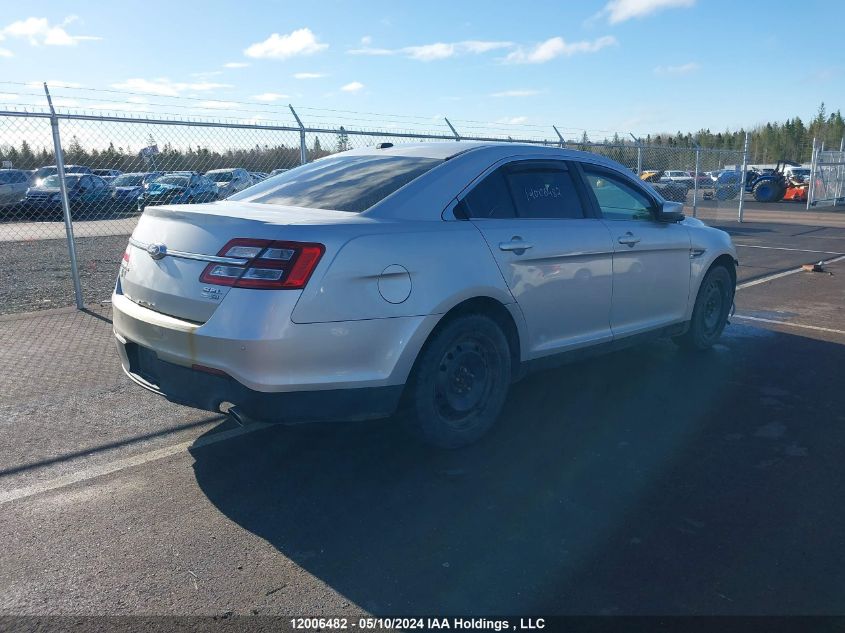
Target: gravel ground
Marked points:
38	272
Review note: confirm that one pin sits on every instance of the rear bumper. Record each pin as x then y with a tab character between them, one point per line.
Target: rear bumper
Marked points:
270	367
202	390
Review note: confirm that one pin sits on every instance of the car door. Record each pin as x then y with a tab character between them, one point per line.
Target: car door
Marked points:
552	251
651	259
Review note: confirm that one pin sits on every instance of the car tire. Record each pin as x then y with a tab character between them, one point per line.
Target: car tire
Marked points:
712	308
459	382
768	191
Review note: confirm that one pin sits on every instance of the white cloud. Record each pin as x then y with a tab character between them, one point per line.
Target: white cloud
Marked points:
557	47
354	86
621	10
270	97
366	40
4	52
236	65
299	42
39	31
514	120
165	87
681	69
308	75
430	52
481	46
515	93
371	51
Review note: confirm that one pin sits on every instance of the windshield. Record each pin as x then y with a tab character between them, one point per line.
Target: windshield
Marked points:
129	180
346	183
221	176
43	172
53	181
181	181
801	172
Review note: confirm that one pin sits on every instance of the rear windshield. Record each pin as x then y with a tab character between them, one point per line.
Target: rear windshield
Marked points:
343	183
221	176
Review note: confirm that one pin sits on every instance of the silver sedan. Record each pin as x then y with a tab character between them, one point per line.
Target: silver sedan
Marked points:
429	276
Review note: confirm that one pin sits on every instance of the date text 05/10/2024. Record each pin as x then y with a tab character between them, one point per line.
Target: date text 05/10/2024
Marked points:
459	624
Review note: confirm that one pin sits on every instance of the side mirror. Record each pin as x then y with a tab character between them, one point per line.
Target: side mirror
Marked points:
671	212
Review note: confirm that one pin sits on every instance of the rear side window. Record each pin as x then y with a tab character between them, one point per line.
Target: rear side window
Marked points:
343	183
490	198
544	193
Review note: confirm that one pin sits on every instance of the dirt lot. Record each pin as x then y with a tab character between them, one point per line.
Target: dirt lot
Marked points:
645	482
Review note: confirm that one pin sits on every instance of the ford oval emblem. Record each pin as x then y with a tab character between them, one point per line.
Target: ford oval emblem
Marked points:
157	251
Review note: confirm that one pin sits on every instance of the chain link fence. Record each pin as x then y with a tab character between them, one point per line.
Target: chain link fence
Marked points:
117	165
827	178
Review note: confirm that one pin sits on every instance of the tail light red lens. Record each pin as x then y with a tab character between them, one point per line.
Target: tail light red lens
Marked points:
271	265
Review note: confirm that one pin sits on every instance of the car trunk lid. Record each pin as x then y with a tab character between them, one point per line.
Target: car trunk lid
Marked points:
173	245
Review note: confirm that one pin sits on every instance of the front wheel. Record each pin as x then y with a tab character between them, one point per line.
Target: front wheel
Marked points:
712	307
459	383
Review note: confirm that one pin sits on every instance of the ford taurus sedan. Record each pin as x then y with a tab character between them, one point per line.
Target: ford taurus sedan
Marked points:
425	278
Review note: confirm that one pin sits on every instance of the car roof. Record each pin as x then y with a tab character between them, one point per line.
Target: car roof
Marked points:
449	149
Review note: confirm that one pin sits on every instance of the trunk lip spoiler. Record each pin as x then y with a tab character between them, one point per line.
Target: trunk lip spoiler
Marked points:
166	252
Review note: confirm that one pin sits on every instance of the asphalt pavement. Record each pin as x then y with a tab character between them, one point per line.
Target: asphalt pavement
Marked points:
648	481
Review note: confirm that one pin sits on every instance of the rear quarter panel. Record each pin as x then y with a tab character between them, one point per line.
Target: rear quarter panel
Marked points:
446	263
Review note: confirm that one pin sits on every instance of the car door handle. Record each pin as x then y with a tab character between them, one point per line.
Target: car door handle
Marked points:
628	239
516	245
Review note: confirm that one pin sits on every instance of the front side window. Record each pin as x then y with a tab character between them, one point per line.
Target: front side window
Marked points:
340	183
617	199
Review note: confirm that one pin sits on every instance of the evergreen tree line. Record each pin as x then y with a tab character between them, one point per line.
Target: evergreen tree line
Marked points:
791	139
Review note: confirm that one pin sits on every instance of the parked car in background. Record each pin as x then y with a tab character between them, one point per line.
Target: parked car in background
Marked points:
230	181
281	170
258	176
43	172
13	186
797	175
129	187
107	174
87	195
728	184
675	191
674	175
703	179
430	274
178	188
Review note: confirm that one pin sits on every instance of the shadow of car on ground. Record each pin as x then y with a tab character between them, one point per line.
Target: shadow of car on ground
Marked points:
644	482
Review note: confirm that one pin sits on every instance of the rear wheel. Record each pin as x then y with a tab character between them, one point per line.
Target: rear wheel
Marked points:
712	307
459	383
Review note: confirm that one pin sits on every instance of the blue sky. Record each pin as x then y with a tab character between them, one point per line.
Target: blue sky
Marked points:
624	65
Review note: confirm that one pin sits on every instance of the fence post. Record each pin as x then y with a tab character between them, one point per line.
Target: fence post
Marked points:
562	142
813	168
639	154
452	127
840	172
695	190
303	150
742	178
60	171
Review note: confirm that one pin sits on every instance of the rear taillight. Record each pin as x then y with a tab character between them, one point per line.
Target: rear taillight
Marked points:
270	265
